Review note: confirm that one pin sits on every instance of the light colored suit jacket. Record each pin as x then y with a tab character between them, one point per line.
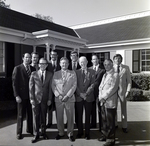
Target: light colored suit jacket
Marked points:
65	87
108	89
125	80
40	92
85	86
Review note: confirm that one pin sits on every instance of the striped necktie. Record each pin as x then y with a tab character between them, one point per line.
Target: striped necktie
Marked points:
28	70
42	76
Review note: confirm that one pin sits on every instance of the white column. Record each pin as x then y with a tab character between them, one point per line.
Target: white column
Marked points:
65	53
53	46
47	51
34	48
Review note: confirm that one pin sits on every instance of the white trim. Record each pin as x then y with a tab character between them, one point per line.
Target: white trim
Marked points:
119	43
111	20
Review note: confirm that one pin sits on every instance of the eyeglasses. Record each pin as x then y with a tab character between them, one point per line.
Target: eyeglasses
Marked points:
42	63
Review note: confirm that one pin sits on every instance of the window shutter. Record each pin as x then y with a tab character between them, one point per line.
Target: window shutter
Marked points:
136	61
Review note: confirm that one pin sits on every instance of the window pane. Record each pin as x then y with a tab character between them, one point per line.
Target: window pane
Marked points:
148	62
147	51
143	57
145	61
148	57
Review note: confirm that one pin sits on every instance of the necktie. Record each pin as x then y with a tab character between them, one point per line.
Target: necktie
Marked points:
42	77
74	66
28	70
94	68
83	75
118	68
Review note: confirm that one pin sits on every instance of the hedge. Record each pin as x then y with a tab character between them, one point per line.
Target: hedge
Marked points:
141	81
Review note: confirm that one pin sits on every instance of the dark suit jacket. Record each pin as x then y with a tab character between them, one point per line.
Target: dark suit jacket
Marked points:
70	66
86	86
20	81
98	78
52	69
40	92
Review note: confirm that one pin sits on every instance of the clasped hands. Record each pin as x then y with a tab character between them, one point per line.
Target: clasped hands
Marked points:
83	95
63	98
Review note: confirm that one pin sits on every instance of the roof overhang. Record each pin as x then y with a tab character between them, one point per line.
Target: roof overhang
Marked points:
40	38
127	44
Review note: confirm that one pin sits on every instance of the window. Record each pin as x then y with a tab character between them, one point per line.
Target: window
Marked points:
141	60
145	60
103	56
2	58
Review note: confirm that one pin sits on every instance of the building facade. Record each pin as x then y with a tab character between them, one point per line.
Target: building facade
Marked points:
127	35
20	33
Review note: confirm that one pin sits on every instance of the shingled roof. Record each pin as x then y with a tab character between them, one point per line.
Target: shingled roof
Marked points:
138	28
19	21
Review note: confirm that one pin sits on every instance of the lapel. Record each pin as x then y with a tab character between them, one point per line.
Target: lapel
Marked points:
24	70
80	75
46	76
39	75
105	79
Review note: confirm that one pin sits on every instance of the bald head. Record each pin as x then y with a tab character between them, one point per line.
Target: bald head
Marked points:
83	62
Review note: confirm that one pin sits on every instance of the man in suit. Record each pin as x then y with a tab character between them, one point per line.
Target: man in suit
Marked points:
99	72
74	65
64	84
40	97
35	59
84	96
53	66
108	98
20	83
124	88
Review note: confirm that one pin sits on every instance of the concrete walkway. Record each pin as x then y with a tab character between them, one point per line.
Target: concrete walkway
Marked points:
138	126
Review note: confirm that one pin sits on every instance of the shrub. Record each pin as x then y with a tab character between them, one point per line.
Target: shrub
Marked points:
141	81
138	95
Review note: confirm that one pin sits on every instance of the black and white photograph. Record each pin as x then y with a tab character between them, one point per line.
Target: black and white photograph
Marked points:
75	73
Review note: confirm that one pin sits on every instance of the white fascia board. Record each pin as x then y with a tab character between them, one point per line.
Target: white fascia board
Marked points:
15	32
119	43
49	33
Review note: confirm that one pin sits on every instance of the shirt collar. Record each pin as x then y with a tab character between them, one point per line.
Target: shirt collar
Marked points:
108	72
42	71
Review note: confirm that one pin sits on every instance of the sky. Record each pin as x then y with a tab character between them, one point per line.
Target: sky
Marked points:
74	12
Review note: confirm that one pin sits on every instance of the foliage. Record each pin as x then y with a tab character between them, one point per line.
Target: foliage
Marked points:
46	18
138	95
141	81
3	4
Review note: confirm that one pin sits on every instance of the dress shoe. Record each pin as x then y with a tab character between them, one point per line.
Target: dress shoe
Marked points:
109	144
31	132
102	138
59	137
71	138
49	125
79	135
93	126
19	136
44	136
125	130
35	138
116	126
87	137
